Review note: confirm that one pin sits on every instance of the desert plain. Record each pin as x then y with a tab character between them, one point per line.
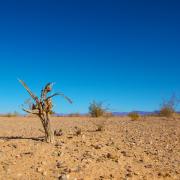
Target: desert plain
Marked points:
90	149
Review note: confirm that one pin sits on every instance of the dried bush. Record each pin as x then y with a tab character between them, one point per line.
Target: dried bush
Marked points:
14	114
168	107
43	107
96	109
134	116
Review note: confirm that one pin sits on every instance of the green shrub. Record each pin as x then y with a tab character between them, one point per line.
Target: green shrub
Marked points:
134	116
96	109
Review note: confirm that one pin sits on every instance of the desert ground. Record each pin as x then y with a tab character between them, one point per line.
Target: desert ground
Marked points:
123	149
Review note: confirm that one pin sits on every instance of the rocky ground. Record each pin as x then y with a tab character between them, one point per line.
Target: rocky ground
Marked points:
90	149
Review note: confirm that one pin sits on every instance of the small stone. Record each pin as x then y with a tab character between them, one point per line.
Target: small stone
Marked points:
43	163
14	146
58	144
64	177
109	155
148	166
98	146
18	156
59	164
69	137
39	169
111	176
61	154
101	177
129	175
58	132
44	173
124	153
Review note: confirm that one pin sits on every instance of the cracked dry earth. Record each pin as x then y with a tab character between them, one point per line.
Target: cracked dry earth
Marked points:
123	149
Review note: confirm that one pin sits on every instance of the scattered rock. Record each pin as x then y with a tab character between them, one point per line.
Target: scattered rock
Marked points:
69	136
77	131
18	156
43	163
58	132
59	164
58	144
14	145
39	169
44	173
27	153
97	146
128	175
148	166
64	177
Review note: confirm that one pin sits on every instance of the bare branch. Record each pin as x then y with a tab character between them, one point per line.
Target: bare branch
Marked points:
56	94
59	94
28	90
45	90
31	111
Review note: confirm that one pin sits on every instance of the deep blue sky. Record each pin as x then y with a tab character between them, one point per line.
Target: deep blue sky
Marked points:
126	53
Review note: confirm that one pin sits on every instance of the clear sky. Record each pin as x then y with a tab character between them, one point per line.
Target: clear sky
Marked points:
124	52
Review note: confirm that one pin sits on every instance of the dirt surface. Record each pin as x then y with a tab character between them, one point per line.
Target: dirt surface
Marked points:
89	148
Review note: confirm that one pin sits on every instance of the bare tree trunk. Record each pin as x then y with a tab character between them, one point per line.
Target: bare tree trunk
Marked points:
49	133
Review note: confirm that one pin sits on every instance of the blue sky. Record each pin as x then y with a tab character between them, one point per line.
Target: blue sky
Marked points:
125	53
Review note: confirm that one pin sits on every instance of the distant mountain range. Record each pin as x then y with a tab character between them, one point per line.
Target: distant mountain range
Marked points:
114	113
139	112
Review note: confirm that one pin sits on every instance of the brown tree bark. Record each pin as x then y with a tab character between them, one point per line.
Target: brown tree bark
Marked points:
49	132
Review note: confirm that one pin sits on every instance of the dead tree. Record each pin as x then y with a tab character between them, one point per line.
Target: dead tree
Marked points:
42	107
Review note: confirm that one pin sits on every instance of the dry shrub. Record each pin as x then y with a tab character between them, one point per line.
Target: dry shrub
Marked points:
166	112
134	116
96	109
74	115
14	114
168	107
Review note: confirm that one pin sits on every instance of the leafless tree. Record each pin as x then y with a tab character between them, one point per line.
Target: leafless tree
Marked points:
42	107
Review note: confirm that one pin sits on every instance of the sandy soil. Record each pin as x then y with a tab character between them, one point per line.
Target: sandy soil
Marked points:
124	149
